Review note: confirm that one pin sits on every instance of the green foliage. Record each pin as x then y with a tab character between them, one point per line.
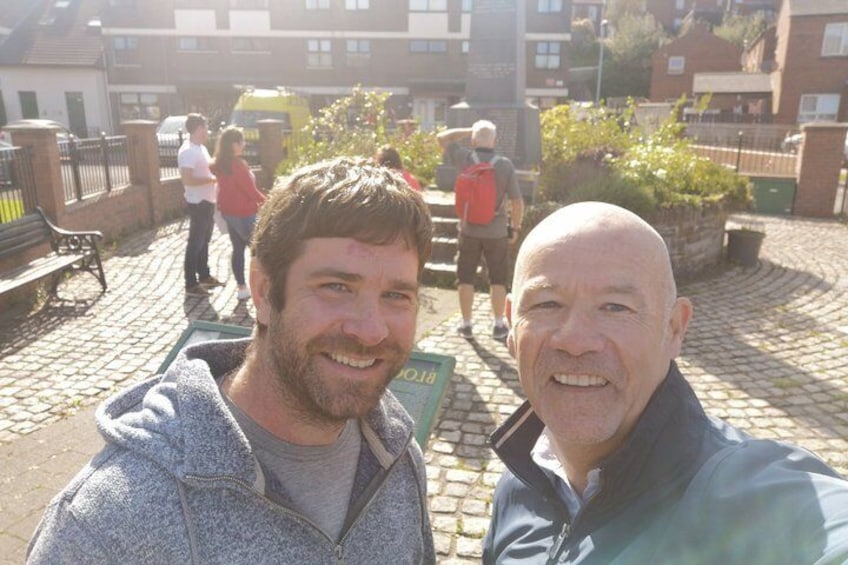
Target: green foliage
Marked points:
601	155
742	30
617	189
358	125
584	44
634	40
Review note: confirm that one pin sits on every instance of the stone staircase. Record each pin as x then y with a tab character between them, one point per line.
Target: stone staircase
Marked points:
440	270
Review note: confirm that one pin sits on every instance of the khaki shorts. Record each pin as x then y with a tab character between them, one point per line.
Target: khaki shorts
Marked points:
494	250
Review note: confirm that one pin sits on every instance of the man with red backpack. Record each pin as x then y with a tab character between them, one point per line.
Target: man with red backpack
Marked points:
489	207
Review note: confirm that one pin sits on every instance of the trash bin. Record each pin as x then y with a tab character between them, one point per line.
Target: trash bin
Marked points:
743	246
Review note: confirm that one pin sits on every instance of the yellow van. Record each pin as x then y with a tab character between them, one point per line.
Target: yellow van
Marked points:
263	104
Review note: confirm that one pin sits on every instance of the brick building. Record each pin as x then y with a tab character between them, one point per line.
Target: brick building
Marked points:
172	56
674	65
795	72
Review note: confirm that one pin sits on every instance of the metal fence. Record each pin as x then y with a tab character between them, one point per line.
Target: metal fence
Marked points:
748	152
17	184
93	166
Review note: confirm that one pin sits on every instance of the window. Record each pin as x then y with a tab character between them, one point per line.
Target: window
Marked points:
424	46
547	6
676	65
547	55
428	5
467	5
250	45
135	106
194	44
358	52
319	53
835	39
465	45
356	4
679	5
122	3
249	4
125	50
317	4
818	107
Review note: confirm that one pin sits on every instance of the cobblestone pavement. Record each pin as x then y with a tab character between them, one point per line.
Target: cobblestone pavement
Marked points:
767	350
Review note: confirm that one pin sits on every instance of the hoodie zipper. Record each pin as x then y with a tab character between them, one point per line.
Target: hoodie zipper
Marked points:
338	549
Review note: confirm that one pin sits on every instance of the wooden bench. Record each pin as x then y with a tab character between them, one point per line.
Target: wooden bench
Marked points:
70	251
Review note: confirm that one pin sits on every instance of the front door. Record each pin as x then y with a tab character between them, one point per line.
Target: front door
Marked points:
76	114
29	104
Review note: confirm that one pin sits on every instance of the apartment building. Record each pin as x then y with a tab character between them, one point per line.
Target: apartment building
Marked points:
173	56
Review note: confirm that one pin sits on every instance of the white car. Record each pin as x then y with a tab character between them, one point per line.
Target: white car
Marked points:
792	144
168	138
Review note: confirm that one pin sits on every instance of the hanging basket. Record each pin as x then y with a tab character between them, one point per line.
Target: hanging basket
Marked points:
743	246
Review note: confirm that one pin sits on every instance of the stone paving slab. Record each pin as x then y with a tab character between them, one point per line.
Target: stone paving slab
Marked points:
767	350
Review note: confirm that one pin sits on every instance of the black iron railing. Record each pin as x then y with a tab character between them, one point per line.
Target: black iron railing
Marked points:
93	166
17	184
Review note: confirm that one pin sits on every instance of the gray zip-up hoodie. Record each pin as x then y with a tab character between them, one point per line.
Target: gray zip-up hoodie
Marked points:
178	483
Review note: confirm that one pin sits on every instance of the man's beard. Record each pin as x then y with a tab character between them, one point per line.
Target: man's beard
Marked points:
322	398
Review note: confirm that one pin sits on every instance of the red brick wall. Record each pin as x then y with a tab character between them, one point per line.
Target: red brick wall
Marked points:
802	68
704	53
818	169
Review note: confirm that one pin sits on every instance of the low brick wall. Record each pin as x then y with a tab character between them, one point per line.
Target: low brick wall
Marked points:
695	238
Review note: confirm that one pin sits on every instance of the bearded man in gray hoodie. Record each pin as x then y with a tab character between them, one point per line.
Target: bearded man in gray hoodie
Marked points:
285	447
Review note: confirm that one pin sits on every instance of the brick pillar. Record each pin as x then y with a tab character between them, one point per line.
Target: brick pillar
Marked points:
143	158
271	150
46	166
819	163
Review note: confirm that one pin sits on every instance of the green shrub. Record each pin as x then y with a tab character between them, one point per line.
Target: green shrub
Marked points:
358	125
597	154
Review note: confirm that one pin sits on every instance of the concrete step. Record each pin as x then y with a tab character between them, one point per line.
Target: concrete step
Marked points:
444	249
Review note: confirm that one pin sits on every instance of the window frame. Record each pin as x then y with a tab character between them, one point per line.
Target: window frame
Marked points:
423	6
842	51
319	57
549	6
357	5
673	69
132	52
818	114
548	56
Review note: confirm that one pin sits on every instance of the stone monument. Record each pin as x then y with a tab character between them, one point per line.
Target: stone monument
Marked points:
495	84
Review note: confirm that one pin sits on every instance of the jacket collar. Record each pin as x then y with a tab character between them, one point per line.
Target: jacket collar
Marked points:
661	447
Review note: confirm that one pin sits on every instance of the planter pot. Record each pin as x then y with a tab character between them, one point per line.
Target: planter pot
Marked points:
743	247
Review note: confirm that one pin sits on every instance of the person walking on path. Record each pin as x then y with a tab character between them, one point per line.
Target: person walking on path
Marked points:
491	240
200	192
238	199
388	156
285	447
612	459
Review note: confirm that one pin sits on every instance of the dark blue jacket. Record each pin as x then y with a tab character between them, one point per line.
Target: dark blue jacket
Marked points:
683	488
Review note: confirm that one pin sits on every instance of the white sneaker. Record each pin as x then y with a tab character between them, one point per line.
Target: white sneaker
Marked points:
243	293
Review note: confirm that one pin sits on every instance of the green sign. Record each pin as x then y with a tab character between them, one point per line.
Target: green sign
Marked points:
420	386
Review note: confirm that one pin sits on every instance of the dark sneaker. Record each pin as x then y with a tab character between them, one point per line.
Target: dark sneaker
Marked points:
465	330
209	282
196	290
499	332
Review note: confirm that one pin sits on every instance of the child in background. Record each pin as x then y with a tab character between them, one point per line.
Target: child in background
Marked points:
387	156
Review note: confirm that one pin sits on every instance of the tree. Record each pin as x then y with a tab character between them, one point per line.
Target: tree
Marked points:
630	46
742	30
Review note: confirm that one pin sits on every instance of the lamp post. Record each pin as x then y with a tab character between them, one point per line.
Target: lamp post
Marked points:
603	29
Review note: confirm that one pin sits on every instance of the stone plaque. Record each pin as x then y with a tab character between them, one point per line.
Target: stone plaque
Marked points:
496	68
420	386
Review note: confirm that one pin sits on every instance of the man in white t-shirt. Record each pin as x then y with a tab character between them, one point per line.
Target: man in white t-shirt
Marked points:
199	183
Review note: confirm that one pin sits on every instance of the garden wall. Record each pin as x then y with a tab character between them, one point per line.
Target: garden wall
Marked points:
694	237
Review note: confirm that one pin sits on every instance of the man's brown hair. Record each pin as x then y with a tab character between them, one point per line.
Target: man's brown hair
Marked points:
343	197
194	121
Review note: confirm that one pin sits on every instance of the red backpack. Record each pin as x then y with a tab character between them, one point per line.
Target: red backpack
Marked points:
476	192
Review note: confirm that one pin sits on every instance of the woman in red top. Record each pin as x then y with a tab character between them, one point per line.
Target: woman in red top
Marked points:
388	157
238	198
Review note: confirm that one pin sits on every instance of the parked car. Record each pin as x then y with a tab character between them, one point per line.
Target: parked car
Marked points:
63	135
169	136
792	144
